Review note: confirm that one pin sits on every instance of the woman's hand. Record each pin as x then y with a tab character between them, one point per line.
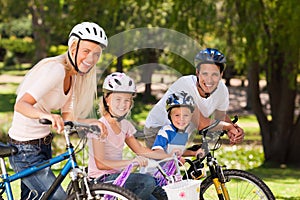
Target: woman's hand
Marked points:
56	120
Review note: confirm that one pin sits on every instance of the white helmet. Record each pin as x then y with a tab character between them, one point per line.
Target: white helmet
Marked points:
119	82
88	31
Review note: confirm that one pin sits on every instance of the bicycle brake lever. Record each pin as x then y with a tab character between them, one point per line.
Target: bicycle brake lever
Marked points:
95	129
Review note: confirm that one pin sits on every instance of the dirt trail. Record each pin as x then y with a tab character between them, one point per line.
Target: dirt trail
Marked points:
238	97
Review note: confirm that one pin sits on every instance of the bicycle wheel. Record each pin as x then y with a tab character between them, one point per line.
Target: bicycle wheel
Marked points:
107	191
240	185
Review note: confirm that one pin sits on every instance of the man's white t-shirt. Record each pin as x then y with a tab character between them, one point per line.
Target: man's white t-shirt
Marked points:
218	100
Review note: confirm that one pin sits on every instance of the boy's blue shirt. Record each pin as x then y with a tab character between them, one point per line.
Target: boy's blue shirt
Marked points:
168	139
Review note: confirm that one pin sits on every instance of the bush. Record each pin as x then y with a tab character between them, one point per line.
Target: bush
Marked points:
57	50
17	49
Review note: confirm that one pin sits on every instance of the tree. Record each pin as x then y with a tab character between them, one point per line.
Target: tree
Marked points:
270	45
44	23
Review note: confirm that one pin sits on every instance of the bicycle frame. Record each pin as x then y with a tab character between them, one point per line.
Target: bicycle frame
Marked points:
71	164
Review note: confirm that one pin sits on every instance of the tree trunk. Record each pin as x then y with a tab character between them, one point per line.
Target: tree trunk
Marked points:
40	32
293	151
152	57
279	136
120	64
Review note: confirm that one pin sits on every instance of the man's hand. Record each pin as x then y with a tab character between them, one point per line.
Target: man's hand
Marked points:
235	134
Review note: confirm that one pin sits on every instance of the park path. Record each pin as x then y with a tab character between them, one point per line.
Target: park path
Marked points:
238	94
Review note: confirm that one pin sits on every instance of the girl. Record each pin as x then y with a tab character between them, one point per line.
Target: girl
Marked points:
105	156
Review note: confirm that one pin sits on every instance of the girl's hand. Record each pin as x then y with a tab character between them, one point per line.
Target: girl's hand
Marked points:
181	160
142	161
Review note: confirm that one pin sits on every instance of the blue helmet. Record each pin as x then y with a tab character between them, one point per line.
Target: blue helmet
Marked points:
180	99
210	55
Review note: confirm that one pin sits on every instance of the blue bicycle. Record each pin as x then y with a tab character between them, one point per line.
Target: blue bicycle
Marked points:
81	187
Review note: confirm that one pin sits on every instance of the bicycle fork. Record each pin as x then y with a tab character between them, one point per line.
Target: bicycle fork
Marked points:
221	189
218	179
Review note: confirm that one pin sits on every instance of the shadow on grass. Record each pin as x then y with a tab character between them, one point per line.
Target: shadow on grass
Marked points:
7	102
269	173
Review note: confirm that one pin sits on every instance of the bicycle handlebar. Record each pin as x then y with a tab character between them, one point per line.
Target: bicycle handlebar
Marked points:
213	125
75	125
156	163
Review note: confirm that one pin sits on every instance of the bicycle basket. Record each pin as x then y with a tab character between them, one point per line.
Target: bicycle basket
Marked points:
188	189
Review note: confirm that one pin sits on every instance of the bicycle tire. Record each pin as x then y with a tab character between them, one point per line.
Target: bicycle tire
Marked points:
100	190
240	185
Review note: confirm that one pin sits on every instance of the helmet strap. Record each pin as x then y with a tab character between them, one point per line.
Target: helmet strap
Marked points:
111	115
76	54
207	94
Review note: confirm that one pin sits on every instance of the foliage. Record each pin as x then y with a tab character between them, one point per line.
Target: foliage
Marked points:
270	47
258	37
57	50
19	27
18	50
18	45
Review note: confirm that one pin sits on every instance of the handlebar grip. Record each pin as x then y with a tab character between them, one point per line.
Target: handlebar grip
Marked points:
236	118
48	122
45	121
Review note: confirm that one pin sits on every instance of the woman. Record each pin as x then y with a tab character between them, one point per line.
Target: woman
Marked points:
65	83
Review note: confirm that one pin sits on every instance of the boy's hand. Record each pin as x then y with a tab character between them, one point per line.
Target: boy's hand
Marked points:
200	152
177	152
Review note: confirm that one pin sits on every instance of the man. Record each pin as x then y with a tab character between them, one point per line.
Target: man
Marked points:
210	94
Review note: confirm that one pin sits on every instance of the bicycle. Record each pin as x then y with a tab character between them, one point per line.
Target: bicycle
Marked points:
81	188
222	183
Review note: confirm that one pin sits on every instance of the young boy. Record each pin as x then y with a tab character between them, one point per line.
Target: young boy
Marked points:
173	137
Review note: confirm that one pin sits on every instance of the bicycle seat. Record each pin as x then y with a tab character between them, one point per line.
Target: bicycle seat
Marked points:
7	150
